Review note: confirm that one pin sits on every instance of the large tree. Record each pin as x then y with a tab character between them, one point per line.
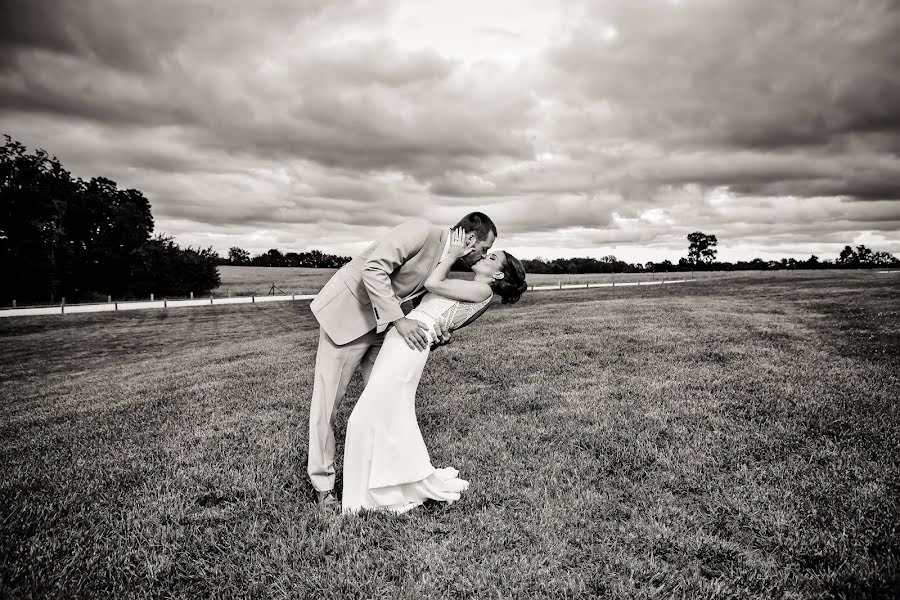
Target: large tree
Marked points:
238	256
702	248
64	237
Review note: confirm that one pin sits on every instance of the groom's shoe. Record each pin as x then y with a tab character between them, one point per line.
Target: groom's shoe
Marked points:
327	500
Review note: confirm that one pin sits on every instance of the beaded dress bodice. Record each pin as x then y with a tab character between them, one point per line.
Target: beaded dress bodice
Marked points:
438	310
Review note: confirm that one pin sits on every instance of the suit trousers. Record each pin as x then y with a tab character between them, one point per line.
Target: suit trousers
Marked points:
335	365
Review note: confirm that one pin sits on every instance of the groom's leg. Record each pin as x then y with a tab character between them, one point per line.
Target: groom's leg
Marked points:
368	360
335	366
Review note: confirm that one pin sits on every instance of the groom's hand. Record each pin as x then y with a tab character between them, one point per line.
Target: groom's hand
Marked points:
443	336
413	332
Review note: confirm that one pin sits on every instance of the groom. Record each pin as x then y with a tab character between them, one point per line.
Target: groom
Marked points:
355	308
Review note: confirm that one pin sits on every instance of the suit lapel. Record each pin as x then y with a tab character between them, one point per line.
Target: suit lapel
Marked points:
439	251
436	240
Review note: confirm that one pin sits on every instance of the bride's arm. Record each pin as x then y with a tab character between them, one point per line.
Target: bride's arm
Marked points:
455	289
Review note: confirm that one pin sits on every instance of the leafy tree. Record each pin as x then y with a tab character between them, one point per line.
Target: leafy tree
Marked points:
238	256
165	269
884	259
272	258
34	191
848	257
74	238
702	248
65	237
863	255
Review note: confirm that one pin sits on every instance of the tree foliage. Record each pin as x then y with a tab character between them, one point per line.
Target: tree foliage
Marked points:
238	257
275	258
164	269
702	248
65	237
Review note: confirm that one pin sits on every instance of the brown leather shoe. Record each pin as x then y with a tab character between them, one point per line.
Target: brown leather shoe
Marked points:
327	500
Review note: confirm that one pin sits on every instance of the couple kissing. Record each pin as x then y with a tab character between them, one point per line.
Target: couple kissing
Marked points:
362	326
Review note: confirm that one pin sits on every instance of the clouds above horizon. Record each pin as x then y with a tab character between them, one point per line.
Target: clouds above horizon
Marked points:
581	128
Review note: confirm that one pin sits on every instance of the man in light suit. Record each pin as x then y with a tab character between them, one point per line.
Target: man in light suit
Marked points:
355	308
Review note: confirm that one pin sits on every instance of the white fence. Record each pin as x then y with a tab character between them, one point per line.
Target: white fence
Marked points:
66	309
581	286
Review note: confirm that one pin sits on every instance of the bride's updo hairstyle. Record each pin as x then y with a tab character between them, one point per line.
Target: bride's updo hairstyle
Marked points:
513	285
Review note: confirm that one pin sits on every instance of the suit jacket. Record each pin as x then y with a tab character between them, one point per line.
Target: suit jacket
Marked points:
367	292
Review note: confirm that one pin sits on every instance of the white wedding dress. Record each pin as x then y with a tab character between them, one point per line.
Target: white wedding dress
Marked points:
386	462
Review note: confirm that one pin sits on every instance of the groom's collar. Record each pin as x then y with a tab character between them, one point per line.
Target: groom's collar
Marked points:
443	244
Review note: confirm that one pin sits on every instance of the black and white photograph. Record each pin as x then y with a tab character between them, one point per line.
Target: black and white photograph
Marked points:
327	299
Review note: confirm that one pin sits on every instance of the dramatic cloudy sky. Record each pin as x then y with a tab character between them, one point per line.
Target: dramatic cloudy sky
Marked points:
582	127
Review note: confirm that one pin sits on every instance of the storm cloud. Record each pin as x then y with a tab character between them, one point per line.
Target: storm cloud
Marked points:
582	128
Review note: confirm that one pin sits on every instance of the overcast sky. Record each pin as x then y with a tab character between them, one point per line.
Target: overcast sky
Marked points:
581	128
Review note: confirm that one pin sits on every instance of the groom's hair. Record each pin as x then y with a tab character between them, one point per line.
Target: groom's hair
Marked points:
478	222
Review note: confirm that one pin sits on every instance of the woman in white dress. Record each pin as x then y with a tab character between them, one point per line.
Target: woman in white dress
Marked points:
386	462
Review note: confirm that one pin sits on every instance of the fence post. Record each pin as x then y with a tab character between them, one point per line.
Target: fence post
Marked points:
116	306
62	306
192	295
559	284
14	303
108	299
151	296
253	299
165	304
210	298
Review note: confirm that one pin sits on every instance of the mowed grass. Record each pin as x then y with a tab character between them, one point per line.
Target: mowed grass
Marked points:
732	438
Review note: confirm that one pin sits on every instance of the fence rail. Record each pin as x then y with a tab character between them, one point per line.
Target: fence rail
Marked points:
66	309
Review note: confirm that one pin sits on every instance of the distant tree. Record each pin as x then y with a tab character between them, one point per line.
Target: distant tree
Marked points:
272	258
665	266
883	259
863	255
848	257
238	257
702	248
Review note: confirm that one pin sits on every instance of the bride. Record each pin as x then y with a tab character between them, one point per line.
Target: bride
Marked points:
386	462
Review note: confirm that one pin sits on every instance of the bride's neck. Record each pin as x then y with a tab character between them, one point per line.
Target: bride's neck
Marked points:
483	278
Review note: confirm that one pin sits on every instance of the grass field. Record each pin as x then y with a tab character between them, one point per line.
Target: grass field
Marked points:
736	438
245	281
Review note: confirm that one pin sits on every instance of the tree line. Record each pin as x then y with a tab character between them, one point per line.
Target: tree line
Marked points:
62	237
238	257
702	254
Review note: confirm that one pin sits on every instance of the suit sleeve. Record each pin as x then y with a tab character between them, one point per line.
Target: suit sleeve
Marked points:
404	241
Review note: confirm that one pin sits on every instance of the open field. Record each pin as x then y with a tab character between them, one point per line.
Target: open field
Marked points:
245	281
737	437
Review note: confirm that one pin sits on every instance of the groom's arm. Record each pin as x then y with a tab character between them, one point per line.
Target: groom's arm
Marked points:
396	248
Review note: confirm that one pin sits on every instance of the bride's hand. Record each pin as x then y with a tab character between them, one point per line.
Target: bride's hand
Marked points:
458	246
